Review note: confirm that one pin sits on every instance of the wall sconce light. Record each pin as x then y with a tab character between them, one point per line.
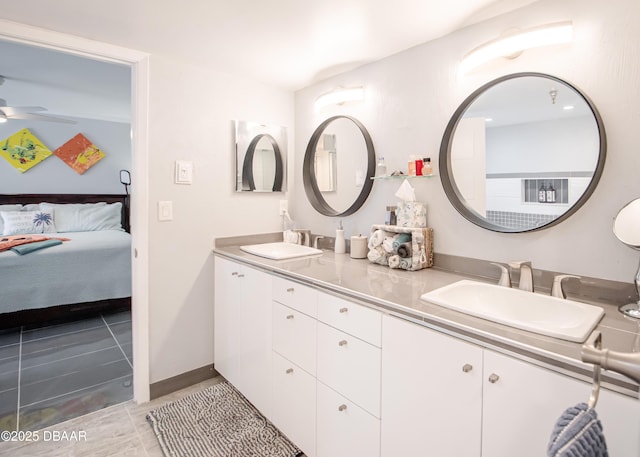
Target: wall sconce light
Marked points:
339	96
512	46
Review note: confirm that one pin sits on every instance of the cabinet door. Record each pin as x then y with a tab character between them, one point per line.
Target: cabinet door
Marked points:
255	337
242	330
523	404
431	393
226	314
294	404
344	429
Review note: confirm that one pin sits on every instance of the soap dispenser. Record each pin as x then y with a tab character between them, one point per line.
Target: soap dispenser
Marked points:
340	247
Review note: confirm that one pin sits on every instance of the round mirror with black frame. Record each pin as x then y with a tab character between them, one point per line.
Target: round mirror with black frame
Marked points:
339	163
270	155
521	153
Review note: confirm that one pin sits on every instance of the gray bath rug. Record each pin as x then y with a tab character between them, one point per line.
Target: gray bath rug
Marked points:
217	422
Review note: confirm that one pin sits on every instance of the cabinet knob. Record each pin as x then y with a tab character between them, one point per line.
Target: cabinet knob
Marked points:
290	290
290	316
289	370
342	343
493	378
342	407
467	367
344	310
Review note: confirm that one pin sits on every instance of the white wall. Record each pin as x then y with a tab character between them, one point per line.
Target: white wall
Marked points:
54	176
192	109
411	96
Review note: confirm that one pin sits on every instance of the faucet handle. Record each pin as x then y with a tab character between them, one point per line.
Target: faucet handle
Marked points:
315	242
519	263
556	288
505	278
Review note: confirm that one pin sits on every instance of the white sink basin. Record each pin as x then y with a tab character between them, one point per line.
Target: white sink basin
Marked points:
564	319
280	250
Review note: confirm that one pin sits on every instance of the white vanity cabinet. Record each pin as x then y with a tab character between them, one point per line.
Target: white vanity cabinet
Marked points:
442	396
242	330
348	371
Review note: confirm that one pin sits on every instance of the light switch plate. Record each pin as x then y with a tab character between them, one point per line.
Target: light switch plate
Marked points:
184	172
165	211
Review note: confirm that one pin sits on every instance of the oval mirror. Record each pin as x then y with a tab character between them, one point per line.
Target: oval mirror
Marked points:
521	153
338	165
260	157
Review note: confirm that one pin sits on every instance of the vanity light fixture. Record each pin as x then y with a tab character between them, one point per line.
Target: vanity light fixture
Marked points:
512	45
339	96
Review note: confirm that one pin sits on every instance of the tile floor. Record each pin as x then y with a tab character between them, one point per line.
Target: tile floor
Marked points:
52	374
118	431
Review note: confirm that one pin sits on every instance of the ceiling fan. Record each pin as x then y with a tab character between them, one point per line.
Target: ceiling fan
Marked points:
27	112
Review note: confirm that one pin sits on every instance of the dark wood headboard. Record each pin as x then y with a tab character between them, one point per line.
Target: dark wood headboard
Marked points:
26	199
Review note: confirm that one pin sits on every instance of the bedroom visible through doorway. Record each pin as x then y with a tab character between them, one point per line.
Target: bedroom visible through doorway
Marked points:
65	368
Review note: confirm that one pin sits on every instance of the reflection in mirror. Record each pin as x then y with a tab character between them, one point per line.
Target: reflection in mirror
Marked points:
626	226
522	152
338	164
260	157
326	164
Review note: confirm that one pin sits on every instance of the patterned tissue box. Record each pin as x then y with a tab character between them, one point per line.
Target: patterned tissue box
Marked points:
411	214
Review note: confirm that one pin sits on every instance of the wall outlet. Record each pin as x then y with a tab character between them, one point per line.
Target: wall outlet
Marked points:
284	207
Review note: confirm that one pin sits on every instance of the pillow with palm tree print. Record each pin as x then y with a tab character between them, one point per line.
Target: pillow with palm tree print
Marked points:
27	222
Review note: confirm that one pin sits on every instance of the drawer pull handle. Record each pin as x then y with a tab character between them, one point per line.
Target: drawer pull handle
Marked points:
493	378
342	407
344	310
467	367
290	316
342	343
235	273
289	370
290	290
240	276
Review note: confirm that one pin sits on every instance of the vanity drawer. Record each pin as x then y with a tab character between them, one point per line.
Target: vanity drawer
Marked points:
296	296
294	336
357	320
350	366
294	403
344	429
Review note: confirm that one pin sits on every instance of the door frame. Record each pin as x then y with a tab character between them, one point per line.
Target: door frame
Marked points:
139	63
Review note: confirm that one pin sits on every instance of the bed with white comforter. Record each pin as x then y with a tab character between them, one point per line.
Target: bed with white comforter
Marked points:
92	266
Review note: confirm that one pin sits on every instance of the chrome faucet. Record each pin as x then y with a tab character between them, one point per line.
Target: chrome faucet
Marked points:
315	242
526	275
556	289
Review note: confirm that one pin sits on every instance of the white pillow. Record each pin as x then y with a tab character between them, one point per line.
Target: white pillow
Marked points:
23	222
8	208
85	217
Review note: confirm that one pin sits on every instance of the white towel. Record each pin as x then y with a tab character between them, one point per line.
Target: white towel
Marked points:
387	244
377	255
376	238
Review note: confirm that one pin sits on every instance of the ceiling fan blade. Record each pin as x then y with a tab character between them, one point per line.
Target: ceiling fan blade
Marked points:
13	110
41	117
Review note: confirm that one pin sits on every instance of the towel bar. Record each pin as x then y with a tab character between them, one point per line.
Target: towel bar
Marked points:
625	363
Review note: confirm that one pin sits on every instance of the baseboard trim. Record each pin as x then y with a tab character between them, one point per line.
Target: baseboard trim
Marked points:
187	379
